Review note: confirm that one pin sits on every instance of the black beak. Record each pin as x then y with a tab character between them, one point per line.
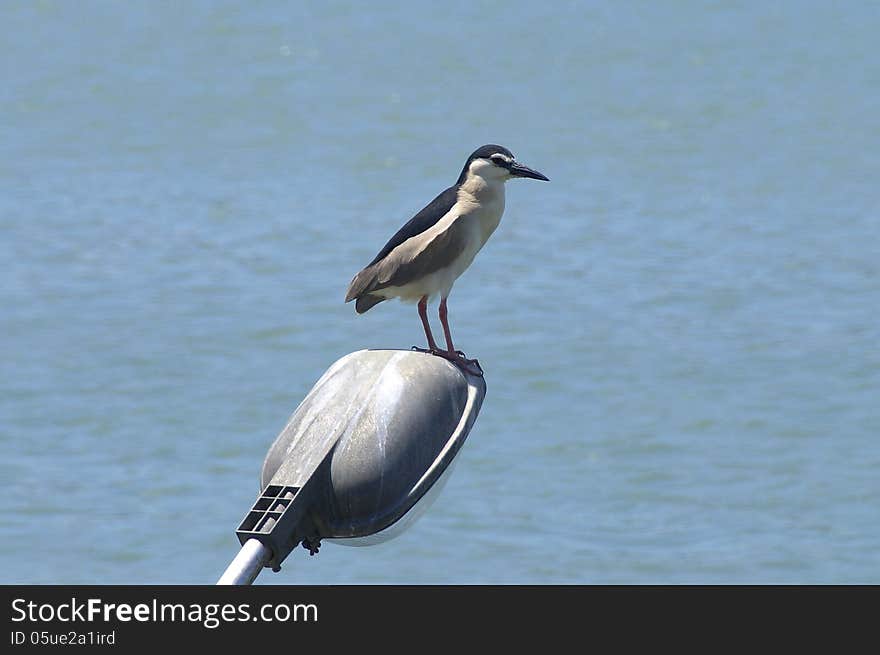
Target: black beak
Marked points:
518	170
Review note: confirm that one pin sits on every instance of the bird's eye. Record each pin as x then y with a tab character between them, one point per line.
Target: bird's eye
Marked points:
498	159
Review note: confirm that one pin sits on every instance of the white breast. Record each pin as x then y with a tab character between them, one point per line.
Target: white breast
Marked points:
484	200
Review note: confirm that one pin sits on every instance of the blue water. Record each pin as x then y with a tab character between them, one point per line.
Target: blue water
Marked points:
680	332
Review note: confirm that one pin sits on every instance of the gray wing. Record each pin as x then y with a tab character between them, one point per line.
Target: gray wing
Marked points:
437	254
397	270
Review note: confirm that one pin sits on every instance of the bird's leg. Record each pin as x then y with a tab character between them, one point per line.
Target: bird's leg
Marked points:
456	356
450	349
423	314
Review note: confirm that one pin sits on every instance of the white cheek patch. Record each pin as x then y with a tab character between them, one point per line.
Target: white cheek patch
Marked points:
479	166
487	168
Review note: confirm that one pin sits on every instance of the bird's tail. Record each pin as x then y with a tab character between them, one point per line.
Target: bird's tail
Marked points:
360	288
366	301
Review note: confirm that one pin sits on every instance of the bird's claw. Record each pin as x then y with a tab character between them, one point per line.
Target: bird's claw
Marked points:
471	366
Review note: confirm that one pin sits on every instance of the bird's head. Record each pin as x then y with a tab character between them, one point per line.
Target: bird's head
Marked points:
496	163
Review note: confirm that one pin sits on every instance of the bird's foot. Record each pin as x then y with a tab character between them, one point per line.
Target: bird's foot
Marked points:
457	357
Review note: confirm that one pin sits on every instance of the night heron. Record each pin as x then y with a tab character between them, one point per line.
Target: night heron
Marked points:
426	256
